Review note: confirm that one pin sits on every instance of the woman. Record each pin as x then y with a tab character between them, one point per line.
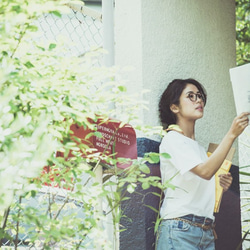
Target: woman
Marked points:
187	210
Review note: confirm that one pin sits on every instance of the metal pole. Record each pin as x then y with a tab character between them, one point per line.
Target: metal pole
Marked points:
108	31
109	58
99	209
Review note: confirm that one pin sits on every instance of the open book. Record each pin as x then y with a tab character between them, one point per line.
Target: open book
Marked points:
225	167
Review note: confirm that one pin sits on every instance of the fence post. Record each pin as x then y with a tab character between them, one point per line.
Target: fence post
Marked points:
108	31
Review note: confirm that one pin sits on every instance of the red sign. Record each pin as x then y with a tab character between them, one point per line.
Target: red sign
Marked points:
112	138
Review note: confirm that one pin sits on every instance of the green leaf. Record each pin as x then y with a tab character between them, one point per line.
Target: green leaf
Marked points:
56	13
144	168
244	173
98	134
156	194
29	65
165	155
89	135
17	8
52	46
33	28
157	223
152	208
33	193
145	185
122	88
125	198
152	158
4	53
131	188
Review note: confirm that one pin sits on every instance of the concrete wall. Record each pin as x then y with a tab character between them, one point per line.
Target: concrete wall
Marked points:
128	43
168	39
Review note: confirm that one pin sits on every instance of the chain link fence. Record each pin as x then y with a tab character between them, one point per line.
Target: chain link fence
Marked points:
83	28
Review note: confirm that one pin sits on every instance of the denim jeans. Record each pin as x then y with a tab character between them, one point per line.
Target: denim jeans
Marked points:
181	235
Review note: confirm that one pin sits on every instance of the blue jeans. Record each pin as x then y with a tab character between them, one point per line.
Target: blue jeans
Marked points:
180	235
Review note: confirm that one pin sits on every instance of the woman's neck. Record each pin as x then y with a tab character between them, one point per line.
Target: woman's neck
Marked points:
187	128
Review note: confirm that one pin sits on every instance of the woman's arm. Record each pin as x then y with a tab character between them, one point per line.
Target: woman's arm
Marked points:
207	169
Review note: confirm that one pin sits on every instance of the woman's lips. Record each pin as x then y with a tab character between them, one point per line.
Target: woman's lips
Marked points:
200	108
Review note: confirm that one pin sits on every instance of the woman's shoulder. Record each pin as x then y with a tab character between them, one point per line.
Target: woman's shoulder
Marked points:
177	140
173	134
172	137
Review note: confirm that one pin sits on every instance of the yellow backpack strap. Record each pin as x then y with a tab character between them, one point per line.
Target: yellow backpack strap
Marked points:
174	127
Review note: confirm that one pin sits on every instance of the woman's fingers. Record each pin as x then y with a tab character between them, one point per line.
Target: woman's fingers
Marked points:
240	123
226	181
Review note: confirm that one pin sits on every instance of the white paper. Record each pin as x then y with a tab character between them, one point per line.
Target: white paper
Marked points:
240	78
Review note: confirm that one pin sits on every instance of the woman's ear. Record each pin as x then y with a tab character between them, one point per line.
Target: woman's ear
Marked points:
174	108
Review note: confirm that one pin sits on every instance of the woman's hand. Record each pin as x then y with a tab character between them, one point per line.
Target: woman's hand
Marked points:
226	181
240	122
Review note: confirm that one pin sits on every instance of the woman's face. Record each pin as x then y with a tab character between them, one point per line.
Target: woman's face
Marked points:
191	105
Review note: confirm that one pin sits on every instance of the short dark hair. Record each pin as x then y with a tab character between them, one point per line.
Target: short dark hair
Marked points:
171	95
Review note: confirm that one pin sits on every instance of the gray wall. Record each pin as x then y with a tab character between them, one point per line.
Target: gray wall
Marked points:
166	39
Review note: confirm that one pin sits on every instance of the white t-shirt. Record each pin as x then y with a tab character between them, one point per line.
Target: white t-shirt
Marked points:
192	195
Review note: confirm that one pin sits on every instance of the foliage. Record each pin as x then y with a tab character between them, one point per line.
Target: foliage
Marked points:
243	31
47	199
43	92
243	57
244	185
